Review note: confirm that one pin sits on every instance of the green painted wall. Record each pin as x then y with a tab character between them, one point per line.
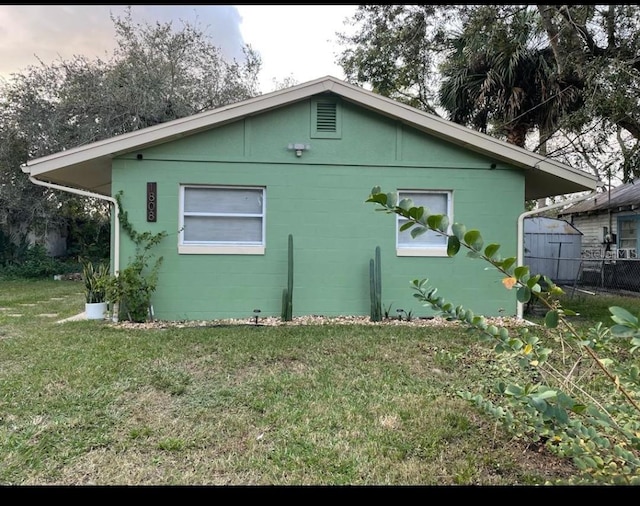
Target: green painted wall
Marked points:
320	199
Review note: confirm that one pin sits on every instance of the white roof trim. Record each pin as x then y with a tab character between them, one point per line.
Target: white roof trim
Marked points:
466	137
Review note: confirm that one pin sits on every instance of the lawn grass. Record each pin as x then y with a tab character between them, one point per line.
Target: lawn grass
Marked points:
92	402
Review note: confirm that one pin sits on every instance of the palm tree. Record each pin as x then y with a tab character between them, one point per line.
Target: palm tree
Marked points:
499	79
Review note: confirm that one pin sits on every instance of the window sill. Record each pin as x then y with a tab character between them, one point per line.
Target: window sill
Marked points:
219	250
421	252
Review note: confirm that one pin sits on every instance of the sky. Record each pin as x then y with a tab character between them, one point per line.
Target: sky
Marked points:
296	42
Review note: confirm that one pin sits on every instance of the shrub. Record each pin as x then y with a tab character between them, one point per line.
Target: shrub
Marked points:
581	403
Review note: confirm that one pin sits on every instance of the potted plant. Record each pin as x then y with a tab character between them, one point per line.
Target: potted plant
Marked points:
96	279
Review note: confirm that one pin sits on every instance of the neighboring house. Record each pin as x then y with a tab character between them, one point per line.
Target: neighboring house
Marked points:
609	222
231	184
53	238
18	235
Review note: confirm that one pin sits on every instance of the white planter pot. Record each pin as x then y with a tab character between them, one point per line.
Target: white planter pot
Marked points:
95	310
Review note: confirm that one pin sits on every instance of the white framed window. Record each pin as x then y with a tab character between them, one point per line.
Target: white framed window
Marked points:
430	243
222	219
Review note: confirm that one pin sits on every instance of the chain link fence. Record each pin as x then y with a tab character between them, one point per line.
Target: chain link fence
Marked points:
618	275
608	274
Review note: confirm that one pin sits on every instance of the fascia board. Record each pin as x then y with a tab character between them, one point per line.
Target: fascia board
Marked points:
171	130
452	132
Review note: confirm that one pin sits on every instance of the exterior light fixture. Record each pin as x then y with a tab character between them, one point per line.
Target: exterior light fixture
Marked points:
298	147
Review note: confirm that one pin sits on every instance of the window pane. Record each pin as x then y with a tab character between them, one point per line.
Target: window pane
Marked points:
628	228
429	238
223	200
628	234
436	203
222	229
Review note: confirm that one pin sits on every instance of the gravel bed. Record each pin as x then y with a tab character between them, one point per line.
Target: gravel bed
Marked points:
321	320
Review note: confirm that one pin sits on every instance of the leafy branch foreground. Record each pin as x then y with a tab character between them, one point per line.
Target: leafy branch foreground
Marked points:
564	386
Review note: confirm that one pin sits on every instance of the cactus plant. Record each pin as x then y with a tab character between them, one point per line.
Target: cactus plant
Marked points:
375	286
287	293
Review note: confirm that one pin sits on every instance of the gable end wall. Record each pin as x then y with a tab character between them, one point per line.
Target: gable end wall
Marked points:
319	198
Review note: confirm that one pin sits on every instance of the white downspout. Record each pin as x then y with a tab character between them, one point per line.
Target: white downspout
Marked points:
116	236
520	255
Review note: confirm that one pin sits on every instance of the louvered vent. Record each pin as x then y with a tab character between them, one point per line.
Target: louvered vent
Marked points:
326	119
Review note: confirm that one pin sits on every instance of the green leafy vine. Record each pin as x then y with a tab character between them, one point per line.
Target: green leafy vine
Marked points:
131	289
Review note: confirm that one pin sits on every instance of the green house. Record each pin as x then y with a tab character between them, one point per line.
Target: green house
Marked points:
230	185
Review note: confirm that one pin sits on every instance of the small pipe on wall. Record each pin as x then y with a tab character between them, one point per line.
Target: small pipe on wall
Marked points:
520	254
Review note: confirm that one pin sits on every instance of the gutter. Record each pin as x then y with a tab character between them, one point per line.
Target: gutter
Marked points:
520	254
111	200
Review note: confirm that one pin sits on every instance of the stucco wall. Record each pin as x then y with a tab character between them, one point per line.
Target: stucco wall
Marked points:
320	199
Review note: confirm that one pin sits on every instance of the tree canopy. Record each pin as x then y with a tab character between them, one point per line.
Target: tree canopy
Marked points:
566	73
157	73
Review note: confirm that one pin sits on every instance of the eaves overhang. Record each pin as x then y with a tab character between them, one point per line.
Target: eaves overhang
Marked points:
88	167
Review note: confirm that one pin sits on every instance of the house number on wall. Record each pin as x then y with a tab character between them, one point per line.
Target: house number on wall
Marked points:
152	203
